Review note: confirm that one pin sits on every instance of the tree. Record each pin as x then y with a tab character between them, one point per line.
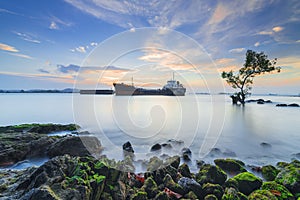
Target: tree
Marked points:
255	64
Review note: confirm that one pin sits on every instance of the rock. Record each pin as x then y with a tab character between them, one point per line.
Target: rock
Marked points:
215	152
230	165
289	176
269	172
282	165
186	154
155	147
297	155
260	102
262	195
210	197
140	195
247	182
150	187
265	145
128	147
154	164
232	194
229	153
268	101
278	190
75	146
281	105
175	142
161	196
293	105
200	163
254	168
173	161
190	185
184	170
213	189
44	192
166	145
191	195
211	174
175	187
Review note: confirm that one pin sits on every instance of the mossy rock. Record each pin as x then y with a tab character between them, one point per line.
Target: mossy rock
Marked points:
269	172
247	182
150	187
261	195
282	165
191	195
154	164
140	195
278	190
211	174
173	161
214	189
210	197
231	165
184	170
290	178
233	194
161	196
175	187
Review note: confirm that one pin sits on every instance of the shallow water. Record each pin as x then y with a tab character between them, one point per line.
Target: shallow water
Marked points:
203	122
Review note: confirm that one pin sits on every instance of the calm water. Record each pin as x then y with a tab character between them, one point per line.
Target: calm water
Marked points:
202	122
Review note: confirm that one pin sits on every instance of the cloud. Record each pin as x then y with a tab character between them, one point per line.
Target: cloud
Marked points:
277	29
93	44
257	44
44	71
9	48
21	55
53	26
27	37
237	50
68	69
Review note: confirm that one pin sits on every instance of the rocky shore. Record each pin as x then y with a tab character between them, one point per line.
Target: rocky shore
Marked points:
73	172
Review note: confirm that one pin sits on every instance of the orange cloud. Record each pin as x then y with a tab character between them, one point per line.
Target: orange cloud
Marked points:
6	47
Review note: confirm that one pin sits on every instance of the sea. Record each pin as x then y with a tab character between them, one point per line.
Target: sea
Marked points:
209	125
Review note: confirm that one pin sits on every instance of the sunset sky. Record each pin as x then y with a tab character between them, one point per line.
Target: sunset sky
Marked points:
46	44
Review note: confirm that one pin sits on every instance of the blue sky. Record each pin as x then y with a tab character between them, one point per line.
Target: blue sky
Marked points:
44	44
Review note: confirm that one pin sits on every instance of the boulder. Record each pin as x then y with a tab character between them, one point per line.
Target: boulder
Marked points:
281	192
269	172
210	197
213	189
184	170
75	146
281	105
265	145
170	184
247	182
128	147
150	187
211	174
186	154
293	105
230	165
289	176
232	194
261	195
155	147
190	185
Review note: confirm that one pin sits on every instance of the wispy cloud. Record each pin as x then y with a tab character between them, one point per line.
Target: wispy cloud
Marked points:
257	44
237	50
277	29
6	47
27	37
21	55
53	26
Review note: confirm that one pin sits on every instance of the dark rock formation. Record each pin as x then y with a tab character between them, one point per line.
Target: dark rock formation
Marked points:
155	147
75	146
231	165
128	147
247	182
293	105
269	172
281	105
211	174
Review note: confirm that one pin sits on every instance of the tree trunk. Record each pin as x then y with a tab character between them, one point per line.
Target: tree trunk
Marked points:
234	99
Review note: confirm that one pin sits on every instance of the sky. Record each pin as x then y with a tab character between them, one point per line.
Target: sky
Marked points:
87	44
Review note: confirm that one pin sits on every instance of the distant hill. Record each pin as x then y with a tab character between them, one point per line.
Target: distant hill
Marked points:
66	90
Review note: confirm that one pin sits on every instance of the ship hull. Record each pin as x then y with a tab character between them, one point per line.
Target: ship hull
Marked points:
128	90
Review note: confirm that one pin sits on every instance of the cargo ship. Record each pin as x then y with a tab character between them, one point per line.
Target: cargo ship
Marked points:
172	88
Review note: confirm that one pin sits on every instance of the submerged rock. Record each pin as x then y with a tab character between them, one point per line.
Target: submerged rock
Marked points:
155	147
293	105
128	147
265	145
186	154
247	182
211	174
281	105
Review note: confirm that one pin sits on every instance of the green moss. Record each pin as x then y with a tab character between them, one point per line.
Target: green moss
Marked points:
191	195
262	195
246	176
140	195
247	182
210	197
211	174
231	165
273	186
290	178
269	172
214	189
